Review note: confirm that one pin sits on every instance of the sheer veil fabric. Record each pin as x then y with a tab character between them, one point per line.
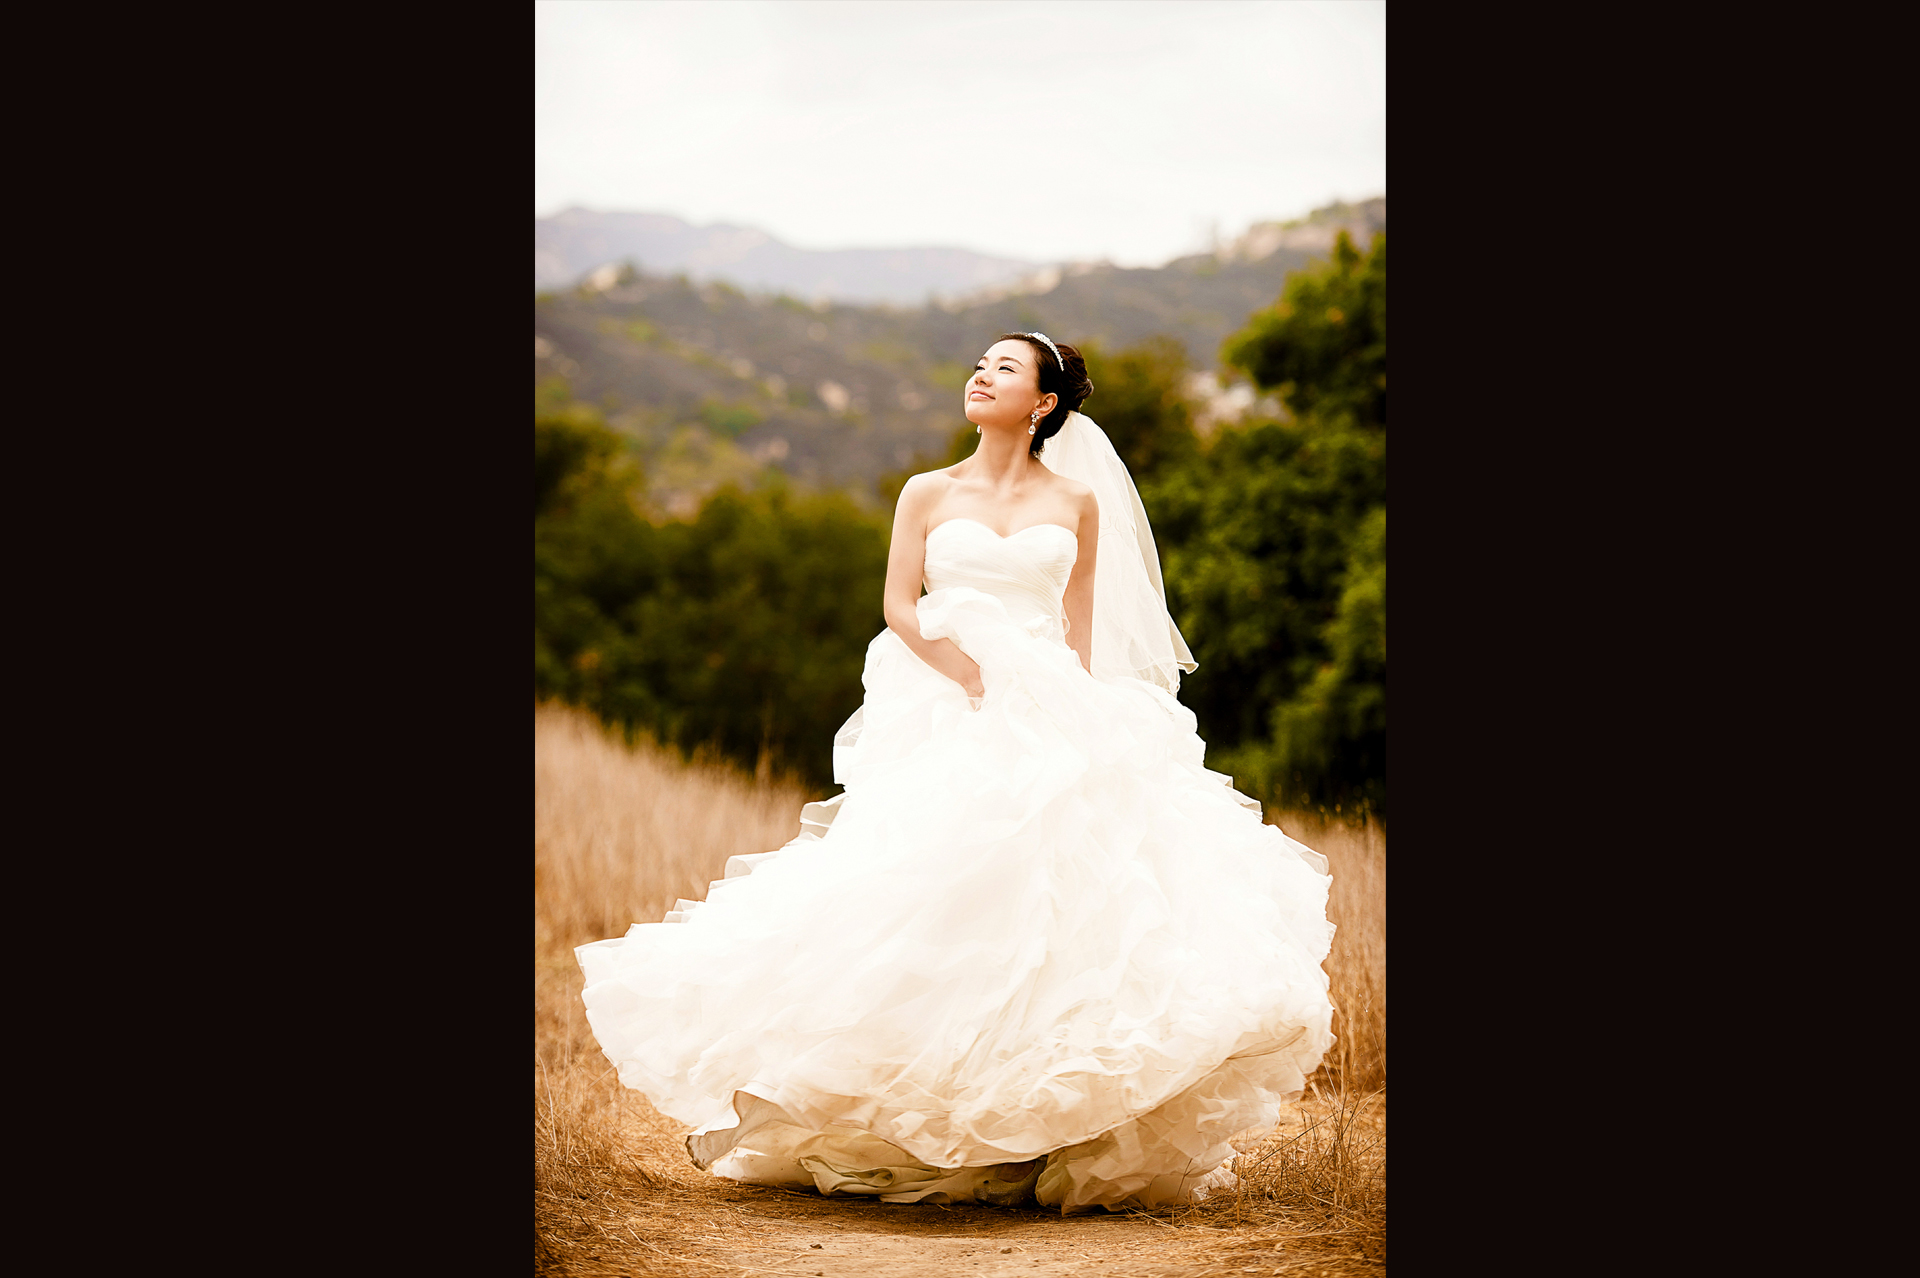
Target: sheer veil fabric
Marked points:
1133	633
1034	951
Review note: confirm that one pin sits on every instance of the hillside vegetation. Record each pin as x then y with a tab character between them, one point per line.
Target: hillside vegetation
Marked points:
732	617
714	383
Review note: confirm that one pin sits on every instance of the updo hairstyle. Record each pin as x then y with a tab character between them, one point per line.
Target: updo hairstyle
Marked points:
1069	383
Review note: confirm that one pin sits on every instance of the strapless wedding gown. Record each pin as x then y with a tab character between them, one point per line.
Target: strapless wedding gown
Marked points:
1034	950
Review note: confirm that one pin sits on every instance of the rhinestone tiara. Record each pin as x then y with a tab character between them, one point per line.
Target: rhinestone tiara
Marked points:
1050	346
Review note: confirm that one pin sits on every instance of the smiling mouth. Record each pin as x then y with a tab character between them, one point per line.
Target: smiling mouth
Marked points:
981	394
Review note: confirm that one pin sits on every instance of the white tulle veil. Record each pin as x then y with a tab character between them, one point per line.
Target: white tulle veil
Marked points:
1133	633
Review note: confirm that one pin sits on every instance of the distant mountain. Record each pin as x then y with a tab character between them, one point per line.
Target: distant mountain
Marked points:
704	376
1199	300
569	246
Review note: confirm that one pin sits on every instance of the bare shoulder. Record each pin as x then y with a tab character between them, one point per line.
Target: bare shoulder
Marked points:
921	493
1079	494
928	484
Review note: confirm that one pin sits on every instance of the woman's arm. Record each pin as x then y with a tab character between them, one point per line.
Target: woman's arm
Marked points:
906	566
1079	597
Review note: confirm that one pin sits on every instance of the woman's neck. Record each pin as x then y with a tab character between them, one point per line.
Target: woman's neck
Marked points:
1003	460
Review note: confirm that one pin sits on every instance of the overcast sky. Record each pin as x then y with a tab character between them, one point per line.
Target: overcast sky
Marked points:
1048	131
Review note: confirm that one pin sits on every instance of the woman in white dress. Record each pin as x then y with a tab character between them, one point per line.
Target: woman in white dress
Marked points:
1035	950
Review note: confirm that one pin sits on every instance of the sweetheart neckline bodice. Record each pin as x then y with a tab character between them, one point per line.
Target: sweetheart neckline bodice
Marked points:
963	519
1027	574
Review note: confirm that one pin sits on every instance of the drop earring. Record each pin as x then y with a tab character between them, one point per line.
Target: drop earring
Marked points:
1034	425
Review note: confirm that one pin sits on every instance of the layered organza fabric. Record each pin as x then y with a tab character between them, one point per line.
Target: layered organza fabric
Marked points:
1035	950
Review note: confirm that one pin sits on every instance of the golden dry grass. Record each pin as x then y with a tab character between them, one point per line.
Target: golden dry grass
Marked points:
622	831
1357	965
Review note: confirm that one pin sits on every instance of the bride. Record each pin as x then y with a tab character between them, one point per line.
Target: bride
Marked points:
1035	950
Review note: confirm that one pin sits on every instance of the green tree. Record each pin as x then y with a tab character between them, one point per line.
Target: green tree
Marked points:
754	638
592	554
1274	542
1336	725
1140	400
1323	345
1257	538
743	631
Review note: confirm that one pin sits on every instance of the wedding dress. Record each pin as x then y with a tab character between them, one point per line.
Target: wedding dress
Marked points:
1034	950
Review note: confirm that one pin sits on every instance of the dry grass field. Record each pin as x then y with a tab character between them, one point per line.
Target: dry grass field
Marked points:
621	832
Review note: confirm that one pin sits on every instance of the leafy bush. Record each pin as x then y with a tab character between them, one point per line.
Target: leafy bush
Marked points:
1323	345
743	631
1273	540
1257	539
1140	400
726	421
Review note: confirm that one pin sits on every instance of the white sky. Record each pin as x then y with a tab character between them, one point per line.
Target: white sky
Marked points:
1078	130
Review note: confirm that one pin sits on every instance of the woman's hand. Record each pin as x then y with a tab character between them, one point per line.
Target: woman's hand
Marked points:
972	682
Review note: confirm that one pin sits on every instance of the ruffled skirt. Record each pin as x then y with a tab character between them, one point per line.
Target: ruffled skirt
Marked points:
1036	950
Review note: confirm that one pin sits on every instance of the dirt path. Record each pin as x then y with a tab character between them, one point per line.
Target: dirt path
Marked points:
845	1240
752	1230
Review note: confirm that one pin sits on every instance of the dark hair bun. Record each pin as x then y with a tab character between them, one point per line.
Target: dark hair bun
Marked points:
1068	381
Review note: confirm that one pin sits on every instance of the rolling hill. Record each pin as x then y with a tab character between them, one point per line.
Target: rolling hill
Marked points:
714	382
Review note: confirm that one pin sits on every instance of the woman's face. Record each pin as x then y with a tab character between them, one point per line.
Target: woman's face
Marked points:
1005	387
